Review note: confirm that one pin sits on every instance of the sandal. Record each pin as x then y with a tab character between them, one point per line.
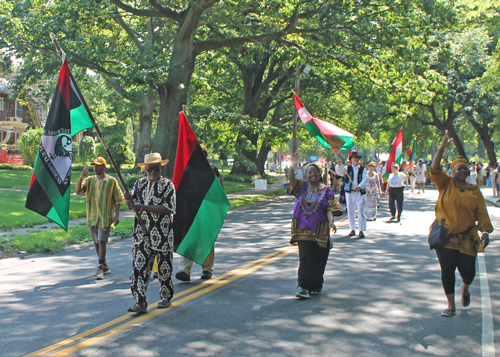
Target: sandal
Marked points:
448	313
465	300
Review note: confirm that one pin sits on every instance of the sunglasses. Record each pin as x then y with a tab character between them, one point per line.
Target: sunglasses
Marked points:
153	169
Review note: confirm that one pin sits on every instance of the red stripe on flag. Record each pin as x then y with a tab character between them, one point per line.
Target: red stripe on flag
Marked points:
33	179
186	143
63	83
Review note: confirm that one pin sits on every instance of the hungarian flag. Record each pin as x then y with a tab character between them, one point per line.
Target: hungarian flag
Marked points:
201	201
50	183
412	151
328	135
396	155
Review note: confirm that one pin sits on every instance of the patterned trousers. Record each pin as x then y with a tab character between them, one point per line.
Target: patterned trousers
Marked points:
143	258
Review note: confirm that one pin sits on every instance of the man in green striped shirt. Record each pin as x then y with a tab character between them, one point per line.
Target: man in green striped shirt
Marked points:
103	193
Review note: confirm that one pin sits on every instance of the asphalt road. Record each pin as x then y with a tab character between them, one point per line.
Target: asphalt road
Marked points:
382	297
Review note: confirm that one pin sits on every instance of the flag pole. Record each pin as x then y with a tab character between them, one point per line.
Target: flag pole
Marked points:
98	131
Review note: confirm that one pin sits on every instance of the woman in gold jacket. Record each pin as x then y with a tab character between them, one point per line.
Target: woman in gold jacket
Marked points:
460	212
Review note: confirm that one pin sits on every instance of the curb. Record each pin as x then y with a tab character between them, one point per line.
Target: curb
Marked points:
73	247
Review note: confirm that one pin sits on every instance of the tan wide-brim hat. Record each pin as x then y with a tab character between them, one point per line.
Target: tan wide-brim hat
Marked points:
151	159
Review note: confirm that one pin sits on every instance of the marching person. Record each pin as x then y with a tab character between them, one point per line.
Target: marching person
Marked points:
395	191
355	190
153	198
312	220
102	195
460	213
420	171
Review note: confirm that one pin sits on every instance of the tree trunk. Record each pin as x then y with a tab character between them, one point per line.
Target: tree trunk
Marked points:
262	158
173	93
143	138
485	136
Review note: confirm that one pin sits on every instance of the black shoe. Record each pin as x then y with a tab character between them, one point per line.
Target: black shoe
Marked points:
139	308
351	234
206	275
155	275
361	235
164	304
183	276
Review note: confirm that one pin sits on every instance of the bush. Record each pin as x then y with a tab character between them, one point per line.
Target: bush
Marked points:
28	145
15	167
118	148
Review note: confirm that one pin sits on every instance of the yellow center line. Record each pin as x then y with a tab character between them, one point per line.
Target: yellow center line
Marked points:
177	300
112	332
123	318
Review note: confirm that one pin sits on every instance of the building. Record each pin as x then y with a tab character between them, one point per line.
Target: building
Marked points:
14	118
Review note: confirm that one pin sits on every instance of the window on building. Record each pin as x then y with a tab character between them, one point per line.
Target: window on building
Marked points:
1	105
19	109
11	108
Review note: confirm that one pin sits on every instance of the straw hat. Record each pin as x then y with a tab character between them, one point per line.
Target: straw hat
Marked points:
151	159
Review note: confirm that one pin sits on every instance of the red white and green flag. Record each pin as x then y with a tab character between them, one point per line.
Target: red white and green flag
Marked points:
396	155
201	204
50	183
328	135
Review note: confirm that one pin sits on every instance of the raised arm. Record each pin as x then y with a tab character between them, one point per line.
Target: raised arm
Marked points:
436	161
293	166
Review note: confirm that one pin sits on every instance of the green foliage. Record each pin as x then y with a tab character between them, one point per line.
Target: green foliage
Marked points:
239	178
28	145
15	167
86	149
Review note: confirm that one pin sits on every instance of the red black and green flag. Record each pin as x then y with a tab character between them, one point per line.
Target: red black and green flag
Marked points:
50	183
201	203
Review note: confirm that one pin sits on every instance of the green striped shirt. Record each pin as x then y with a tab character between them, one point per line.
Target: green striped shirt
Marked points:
102	196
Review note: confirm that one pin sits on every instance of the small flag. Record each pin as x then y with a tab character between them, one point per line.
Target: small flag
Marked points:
412	151
49	190
201	201
328	135
354	149
396	155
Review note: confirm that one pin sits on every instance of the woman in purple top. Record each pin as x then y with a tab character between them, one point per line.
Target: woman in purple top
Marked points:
311	224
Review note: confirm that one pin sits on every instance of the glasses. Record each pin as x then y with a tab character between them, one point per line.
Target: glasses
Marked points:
153	169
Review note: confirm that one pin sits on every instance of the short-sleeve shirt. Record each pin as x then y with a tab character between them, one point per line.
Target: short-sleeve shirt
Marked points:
396	180
102	196
160	235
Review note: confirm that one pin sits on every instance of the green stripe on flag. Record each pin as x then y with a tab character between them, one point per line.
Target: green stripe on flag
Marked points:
316	133
202	234
80	120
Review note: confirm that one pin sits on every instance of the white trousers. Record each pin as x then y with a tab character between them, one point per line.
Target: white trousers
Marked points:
355	200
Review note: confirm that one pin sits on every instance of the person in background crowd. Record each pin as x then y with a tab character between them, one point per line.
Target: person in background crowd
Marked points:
373	192
395	191
421	172
412	176
355	190
479	170
472	179
460	213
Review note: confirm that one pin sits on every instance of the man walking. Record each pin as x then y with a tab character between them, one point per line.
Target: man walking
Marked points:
355	190
420	171
102	193
153	198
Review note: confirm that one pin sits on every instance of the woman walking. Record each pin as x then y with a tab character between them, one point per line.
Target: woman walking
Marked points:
373	192
460	213
395	191
311	224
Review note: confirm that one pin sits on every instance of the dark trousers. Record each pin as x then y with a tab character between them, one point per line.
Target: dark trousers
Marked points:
143	258
396	194
450	260
312	265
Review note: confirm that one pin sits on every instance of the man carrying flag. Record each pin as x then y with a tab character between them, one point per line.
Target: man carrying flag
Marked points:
153	198
49	188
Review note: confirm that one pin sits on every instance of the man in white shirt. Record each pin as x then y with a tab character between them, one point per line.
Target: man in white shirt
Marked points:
354	192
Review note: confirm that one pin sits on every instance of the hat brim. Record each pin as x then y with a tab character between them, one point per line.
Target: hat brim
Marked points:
144	164
97	164
358	156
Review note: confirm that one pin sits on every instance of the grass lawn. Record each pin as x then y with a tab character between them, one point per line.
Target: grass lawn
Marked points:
15	215
232	187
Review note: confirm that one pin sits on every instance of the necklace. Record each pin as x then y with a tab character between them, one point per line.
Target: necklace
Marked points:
310	200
